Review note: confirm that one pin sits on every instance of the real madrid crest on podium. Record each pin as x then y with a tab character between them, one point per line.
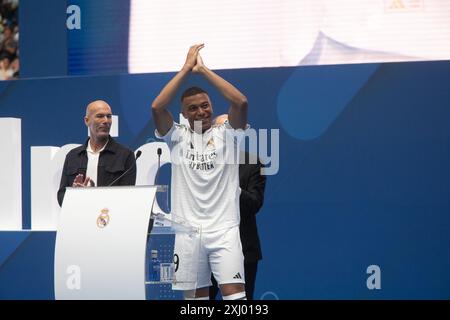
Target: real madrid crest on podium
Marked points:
103	218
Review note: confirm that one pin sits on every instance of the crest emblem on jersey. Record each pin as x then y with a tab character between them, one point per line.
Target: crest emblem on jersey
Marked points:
210	144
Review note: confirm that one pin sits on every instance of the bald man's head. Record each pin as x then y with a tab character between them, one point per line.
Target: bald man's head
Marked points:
98	119
91	107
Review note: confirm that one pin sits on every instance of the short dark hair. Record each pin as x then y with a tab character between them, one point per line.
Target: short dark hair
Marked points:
192	91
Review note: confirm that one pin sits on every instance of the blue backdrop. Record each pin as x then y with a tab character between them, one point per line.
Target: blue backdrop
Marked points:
364	174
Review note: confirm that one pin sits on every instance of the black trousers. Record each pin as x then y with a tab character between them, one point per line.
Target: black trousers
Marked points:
250	269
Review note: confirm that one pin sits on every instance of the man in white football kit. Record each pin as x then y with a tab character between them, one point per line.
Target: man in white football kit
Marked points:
205	180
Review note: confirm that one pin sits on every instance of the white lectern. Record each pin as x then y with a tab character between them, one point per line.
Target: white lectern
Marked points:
101	242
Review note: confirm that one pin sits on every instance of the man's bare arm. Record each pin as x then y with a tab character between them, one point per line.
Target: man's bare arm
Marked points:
161	116
237	114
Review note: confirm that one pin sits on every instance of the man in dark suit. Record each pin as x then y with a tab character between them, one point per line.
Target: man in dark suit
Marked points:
252	184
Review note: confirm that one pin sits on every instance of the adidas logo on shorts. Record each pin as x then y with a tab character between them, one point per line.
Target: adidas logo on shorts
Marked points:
237	276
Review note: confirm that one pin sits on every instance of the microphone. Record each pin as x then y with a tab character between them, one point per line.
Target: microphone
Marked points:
138	154
159	152
154	215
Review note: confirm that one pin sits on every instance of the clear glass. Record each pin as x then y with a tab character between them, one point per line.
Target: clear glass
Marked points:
161	273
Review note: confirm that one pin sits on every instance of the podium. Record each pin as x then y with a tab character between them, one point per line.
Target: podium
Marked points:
101	242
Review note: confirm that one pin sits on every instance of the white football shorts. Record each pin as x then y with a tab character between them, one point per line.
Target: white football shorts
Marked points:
196	256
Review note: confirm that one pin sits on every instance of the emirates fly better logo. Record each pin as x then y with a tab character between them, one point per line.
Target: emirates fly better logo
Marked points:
103	218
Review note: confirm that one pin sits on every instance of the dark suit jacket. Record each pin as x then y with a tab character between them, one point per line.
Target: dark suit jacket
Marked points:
252	185
112	162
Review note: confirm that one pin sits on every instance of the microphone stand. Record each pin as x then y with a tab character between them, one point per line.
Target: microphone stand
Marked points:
138	154
159	152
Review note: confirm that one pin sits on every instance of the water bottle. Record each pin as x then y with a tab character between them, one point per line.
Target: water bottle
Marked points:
155	265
